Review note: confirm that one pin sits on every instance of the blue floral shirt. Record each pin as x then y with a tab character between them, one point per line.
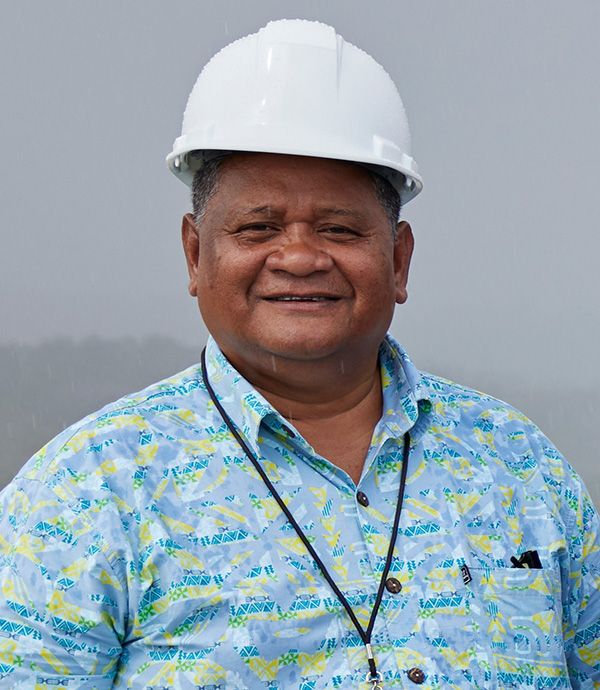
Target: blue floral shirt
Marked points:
140	549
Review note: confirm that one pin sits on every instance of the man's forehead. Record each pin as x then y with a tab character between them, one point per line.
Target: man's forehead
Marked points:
255	167
268	185
264	183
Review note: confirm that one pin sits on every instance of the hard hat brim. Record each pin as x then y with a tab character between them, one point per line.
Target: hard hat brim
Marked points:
191	152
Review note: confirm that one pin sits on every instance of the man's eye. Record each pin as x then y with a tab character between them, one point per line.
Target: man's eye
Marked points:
257	227
257	231
340	231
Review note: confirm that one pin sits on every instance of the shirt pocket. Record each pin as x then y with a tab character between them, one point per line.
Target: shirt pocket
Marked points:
519	617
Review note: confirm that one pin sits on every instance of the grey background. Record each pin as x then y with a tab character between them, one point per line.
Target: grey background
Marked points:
504	104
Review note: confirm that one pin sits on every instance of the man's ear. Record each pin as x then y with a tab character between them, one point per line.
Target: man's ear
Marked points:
191	248
403	249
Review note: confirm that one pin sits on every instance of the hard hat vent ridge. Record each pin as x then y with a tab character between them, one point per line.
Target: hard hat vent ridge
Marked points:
297	87
300	31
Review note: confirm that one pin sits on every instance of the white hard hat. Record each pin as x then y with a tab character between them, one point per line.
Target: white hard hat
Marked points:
296	87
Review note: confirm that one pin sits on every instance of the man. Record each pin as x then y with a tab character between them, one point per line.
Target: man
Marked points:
303	509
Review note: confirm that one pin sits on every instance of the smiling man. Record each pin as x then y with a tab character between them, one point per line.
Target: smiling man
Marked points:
303	508
297	267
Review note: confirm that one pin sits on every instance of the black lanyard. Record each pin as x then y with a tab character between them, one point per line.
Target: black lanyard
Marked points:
373	676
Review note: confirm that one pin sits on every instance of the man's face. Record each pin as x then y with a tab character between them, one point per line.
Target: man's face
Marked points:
295	258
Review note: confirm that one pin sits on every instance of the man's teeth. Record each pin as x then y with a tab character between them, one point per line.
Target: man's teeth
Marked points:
303	299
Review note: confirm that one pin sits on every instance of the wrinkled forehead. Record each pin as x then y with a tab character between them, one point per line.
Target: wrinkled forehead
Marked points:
295	177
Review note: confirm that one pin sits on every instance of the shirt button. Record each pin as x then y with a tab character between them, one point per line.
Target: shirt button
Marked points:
362	498
392	585
425	405
416	675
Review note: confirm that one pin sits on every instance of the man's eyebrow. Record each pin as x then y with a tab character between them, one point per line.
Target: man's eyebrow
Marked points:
267	208
328	210
342	212
339	211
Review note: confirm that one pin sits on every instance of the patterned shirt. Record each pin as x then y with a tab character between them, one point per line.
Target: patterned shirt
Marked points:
140	549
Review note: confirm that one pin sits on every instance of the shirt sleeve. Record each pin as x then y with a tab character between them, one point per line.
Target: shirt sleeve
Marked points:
582	643
580	568
62	602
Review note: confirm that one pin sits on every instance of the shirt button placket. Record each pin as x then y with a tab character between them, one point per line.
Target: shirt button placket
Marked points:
393	585
363	518
362	498
416	675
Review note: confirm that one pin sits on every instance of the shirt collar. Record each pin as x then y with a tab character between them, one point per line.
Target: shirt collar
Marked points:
243	403
404	396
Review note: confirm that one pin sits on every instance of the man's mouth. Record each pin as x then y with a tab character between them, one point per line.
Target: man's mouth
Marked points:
302	298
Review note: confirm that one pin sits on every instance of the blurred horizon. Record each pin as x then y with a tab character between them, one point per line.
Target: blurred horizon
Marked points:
52	385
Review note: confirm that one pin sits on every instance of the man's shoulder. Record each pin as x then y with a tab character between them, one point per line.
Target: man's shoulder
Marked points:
175	394
449	395
480	419
494	433
130	427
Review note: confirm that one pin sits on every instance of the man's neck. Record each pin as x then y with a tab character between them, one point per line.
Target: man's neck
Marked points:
334	407
340	398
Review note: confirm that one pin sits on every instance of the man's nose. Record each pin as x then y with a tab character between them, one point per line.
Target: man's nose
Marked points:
300	253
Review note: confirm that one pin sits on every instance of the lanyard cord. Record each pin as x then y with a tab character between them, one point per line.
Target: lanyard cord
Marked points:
373	676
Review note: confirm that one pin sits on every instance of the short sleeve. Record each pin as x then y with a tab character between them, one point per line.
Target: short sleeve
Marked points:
62	603
580	565
582	643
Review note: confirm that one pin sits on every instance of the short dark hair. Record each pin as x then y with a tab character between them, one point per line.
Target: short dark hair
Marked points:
205	184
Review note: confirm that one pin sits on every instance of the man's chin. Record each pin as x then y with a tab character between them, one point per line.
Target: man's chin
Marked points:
265	347
303	349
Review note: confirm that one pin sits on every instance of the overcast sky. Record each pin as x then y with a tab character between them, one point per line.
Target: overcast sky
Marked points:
504	106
